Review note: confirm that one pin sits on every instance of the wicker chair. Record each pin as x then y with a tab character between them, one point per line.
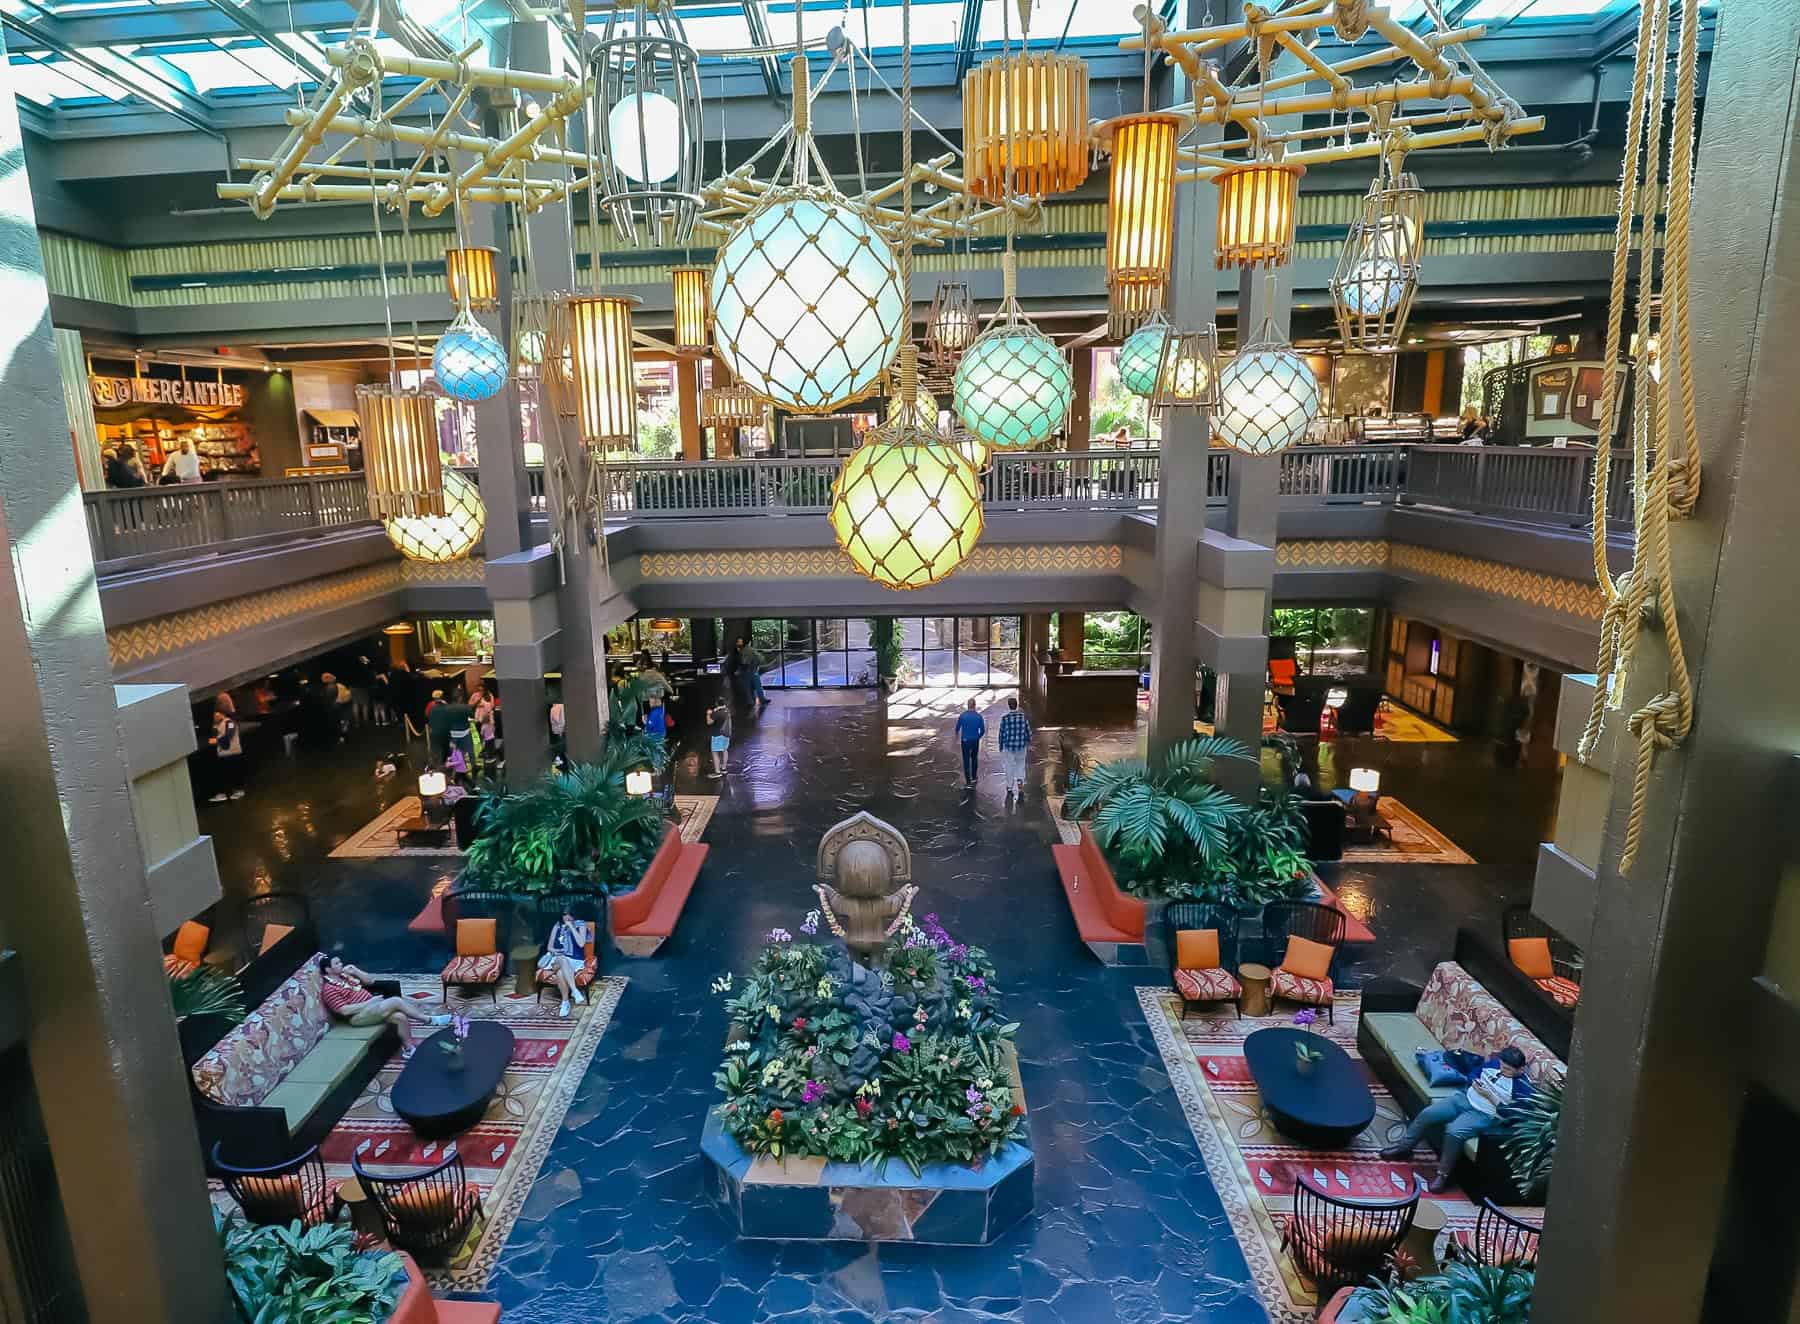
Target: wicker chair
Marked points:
1498	1238
294	1189
1197	988
1565	957
1301	919
428	1214
1343	1243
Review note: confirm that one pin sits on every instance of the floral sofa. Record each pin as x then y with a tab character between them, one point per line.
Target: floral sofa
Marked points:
275	1084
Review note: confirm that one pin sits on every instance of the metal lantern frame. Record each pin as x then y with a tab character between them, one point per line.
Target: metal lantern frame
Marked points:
951	323
1258	210
591	371
1377	273
471	277
693	309
530	348
1140	213
1187	375
1267	396
1025	126
402	466
643	51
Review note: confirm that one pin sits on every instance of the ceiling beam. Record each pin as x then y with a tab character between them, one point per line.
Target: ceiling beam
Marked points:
756	18
966	35
152	26
134	78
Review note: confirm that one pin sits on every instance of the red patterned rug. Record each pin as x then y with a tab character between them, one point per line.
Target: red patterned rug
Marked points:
505	1150
1253	1166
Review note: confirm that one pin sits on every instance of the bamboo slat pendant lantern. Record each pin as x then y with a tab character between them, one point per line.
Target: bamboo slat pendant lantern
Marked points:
1188	375
401	463
1140	217
1257	206
1025	126
590	370
693	313
734	406
472	279
1377	272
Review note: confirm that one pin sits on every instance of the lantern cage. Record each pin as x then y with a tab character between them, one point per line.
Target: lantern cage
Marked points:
951	323
1258	203
646	118
693	312
1187	376
472	279
402	467
531	317
590	369
1268	396
1025	126
448	536
1140	214
1377	271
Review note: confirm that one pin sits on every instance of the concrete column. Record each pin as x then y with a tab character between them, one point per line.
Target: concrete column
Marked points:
101	1038
1081	410
1667	1040
687	386
1070	637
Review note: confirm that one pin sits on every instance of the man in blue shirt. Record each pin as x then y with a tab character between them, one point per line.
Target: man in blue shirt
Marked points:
1468	1113
970	729
1015	736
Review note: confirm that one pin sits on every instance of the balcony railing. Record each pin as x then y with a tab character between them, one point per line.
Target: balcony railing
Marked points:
1533	486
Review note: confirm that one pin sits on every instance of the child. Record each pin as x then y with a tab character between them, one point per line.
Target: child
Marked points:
719	719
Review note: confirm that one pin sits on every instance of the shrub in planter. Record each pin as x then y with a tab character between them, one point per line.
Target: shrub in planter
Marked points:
1461	1294
1528	1138
291	1275
831	1060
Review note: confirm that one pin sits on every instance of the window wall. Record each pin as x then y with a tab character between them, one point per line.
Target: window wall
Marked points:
808	652
1328	641
969	652
1111	640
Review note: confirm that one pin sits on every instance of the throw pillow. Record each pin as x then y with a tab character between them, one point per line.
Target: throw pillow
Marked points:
1197	949
272	934
1306	958
1532	955
1438	1069
475	937
190	942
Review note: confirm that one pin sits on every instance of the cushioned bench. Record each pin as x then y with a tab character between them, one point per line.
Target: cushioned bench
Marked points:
1110	922
643	918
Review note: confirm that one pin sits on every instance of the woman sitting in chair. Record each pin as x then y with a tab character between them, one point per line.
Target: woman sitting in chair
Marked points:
564	952
345	992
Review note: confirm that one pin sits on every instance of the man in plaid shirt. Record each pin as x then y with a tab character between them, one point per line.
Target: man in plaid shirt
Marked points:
1015	736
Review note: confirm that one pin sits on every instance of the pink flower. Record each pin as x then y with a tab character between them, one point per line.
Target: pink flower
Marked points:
864	1107
901	1043
799	1022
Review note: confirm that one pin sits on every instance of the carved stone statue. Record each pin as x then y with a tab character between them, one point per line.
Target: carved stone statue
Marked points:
864	888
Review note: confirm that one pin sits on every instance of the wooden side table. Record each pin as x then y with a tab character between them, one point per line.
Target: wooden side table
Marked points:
524	958
1421	1240
1255	979
365	1218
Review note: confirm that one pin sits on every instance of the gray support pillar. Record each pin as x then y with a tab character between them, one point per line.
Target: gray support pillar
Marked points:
1659	1073
100	1034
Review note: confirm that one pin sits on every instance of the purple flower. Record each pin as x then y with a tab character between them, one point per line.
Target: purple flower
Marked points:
780	935
976	982
1305	1018
812	1092
973	1095
901	1043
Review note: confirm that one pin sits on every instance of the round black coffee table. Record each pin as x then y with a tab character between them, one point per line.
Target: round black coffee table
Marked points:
1324	1107
436	1099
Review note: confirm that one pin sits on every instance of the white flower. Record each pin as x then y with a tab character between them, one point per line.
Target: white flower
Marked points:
962	1009
723	983
984	1083
772	1070
774	1012
824	989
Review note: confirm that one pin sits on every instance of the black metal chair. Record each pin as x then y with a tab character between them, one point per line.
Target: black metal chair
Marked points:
1565	957
1301	919
294	1190
1337	1243
1219	985
428	1214
1498	1238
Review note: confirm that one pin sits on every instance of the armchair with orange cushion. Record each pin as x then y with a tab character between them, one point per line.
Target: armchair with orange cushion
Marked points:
1307	936
426	1213
1543	956
1202	943
188	949
478	962
582	910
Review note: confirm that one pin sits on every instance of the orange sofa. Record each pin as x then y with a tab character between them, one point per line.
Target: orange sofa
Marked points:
1110	922
643	918
416	1305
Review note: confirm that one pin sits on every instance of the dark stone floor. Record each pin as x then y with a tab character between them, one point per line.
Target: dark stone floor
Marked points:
1128	1227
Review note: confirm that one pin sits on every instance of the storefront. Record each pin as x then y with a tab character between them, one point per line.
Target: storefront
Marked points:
234	418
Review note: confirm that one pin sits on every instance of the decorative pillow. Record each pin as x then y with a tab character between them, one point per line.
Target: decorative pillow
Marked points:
1306	958
1447	1066
1532	955
1197	949
475	937
273	934
190	942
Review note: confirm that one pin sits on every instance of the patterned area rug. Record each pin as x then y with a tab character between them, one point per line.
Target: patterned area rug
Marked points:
1415	841
378	839
505	1150
1253	1166
1409	728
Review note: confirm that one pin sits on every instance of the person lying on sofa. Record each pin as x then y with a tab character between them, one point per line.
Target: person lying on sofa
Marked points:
344	991
1468	1113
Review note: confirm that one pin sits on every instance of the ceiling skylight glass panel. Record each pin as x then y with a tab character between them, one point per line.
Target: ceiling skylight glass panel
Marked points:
211	70
706	32
1084	19
1568	8
932	25
61	80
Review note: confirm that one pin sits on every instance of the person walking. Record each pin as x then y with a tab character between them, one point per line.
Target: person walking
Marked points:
719	721
1015	739
230	751
124	470
970	728
656	724
183	465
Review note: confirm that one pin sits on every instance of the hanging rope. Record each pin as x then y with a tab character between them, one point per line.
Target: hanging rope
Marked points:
1665	458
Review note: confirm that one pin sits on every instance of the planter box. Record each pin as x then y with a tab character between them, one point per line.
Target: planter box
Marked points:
813	1199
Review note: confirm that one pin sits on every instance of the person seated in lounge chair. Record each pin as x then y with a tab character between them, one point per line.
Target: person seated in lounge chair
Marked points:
344	991
1469	1112
564	951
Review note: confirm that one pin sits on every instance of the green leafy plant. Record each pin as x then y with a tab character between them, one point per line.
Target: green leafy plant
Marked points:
208	991
295	1275
1528	1136
1267	852
1461	1294
1155	818
890	654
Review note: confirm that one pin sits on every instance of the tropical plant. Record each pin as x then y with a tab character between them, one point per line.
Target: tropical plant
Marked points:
1528	1136
1267	852
890	654
1150	818
1461	1294
296	1275
208	991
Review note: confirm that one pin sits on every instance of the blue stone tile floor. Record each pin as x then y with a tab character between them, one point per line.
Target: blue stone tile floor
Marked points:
1128	1228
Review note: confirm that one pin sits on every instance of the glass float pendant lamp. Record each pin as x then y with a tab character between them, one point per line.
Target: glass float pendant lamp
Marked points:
808	306
449	536
1140	216
1142	354
1377	272
472	279
645	116
1025	126
1014	386
1268	395
693	314
469	362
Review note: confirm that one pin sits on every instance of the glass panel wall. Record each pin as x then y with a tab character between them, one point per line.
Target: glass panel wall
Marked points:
804	652
1112	640
970	652
1328	641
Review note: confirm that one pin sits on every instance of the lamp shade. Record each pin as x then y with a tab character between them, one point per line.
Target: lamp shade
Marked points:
1140	218
734	406
1268	397
446	537
1257	207
1188	376
638	782
1365	780
1025	126
432	783
807	306
664	624
1013	387
469	362
906	508
646	97
590	370
473	282
693	314
402	467
924	412
950	325
1142	354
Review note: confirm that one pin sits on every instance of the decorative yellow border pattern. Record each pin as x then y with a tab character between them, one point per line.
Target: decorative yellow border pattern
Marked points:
1331	552
1572	597
817	563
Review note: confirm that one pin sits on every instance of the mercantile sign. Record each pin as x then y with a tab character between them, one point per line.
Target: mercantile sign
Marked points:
115	392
